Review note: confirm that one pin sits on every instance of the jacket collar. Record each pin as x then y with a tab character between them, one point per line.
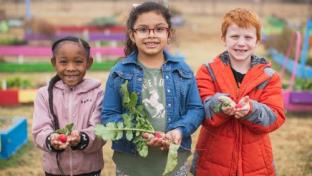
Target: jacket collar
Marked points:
133	57
255	60
84	86
253	77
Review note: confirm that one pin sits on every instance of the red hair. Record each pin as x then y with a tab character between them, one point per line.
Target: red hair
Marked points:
242	18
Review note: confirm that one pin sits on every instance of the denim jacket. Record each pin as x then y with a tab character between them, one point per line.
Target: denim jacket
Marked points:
184	108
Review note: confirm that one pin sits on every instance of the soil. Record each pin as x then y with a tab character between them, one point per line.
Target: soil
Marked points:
5	123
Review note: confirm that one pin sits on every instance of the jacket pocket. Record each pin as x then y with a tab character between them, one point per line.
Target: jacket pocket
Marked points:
185	74
183	82
120	77
123	75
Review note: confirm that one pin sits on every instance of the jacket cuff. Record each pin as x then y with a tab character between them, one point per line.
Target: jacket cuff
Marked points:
250	109
84	141
49	145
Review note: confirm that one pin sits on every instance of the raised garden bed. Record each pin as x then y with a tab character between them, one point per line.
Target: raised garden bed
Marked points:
297	101
9	97
46	51
12	137
47	67
303	71
97	36
111	29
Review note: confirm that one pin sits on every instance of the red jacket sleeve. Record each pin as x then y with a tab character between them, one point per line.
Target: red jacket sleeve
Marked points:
267	113
209	94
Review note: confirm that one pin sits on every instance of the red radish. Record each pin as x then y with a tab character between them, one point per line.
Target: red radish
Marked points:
158	134
62	138
238	106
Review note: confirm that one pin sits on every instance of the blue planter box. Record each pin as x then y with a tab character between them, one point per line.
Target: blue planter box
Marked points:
13	138
303	71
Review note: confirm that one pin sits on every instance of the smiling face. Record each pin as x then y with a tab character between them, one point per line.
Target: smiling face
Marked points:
70	62
150	33
240	42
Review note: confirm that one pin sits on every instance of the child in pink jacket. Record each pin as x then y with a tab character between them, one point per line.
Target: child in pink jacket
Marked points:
69	98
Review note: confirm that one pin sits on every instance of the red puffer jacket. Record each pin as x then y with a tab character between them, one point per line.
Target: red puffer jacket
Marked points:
238	147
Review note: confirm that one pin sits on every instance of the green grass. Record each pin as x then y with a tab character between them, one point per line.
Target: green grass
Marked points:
19	158
47	67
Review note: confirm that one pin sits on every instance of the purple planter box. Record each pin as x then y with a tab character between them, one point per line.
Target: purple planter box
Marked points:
301	98
92	36
297	101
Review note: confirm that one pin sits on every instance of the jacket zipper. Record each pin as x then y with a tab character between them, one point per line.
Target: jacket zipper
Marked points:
238	137
71	120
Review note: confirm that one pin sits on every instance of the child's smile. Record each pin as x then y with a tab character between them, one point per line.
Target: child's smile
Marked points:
151	44
240	42
71	78
71	63
150	33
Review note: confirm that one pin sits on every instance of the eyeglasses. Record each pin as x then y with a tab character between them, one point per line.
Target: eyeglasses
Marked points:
145	31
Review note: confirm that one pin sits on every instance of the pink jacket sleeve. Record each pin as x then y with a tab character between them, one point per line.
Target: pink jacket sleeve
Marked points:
42	124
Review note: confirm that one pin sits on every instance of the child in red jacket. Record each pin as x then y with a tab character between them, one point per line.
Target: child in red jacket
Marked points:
243	102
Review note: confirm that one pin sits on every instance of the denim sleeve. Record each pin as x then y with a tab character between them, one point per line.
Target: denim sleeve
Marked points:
111	105
194	114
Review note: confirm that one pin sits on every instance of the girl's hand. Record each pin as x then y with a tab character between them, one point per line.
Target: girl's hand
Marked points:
156	140
227	105
161	140
74	138
56	143
174	136
242	108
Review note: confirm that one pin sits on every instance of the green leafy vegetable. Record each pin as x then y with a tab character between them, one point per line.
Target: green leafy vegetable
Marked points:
172	159
66	130
222	102
135	122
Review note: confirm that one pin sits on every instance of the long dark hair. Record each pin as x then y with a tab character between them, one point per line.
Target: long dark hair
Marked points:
133	16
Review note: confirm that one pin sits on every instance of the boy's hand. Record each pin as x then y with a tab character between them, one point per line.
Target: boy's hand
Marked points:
227	105
56	143
74	138
242	108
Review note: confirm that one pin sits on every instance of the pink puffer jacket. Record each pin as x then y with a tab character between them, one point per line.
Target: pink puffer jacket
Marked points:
80	105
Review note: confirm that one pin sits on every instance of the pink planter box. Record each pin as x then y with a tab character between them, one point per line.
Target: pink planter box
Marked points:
111	29
46	51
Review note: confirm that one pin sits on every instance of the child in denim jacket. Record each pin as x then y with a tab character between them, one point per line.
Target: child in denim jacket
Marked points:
166	88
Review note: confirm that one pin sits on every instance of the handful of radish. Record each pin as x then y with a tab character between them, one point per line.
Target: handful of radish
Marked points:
237	106
64	132
62	138
225	102
134	123
158	134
